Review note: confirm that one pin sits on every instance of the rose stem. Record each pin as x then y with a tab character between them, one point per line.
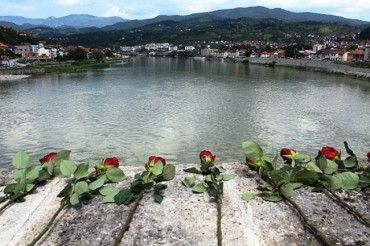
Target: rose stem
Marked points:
349	207
129	219
219	217
308	222
47	227
10	202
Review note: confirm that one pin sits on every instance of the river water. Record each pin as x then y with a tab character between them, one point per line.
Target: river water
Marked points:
175	108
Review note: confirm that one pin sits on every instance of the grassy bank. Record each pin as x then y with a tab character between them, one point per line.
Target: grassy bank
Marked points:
77	66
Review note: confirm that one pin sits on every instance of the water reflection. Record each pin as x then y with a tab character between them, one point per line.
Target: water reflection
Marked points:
176	108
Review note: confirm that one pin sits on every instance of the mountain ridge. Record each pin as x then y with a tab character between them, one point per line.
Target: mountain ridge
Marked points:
117	23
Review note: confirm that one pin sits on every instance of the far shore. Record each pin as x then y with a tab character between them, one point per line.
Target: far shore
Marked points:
316	65
10	77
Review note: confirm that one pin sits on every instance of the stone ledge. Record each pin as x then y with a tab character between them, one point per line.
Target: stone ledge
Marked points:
185	218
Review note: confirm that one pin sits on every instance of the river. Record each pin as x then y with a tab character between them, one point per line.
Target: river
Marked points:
175	108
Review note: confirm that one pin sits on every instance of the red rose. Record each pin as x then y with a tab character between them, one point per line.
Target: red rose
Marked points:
368	155
206	157
287	154
111	162
329	152
153	160
47	157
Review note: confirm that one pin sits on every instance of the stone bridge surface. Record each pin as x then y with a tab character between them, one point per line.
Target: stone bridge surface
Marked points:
184	218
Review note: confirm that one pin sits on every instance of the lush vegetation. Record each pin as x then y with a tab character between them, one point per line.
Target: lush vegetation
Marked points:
12	37
205	28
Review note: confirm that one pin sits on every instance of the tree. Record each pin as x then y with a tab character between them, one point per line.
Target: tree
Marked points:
77	54
98	56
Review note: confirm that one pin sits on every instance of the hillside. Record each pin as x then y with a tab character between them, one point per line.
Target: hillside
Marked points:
12	37
251	12
76	21
209	28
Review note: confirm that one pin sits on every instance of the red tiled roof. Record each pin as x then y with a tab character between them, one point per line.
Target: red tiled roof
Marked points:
357	52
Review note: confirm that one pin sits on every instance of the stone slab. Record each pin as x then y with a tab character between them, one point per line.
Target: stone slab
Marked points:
184	218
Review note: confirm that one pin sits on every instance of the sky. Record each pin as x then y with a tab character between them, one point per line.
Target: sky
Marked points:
144	9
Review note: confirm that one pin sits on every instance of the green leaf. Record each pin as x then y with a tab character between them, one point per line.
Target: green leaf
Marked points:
272	198
287	190
321	161
208	178
296	185
169	172
21	186
192	170
247	197
331	167
82	171
188	181
279	175
18	173
227	177
158	168
109	198
10	188
333	182
32	172
158	197
49	167
61	155
364	181
21	160
265	187
300	158
221	169
306	177
81	187
43	176
29	187
2	199
349	180
115	174
123	196
312	167
350	162
107	190
199	188
348	150
73	200
98	183
252	150
67	168
66	191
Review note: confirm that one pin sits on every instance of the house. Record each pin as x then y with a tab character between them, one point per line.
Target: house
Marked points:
189	48
356	55
23	33
367	54
221	54
3	46
233	54
23	50
44	52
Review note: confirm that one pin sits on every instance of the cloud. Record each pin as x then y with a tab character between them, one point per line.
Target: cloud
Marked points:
67	2
116	11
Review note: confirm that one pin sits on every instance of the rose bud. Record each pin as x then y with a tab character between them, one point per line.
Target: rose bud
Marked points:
330	153
47	157
287	154
111	162
252	164
206	157
368	155
153	160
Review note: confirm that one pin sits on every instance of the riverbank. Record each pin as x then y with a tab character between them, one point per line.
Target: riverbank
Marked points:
316	65
11	77
185	218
